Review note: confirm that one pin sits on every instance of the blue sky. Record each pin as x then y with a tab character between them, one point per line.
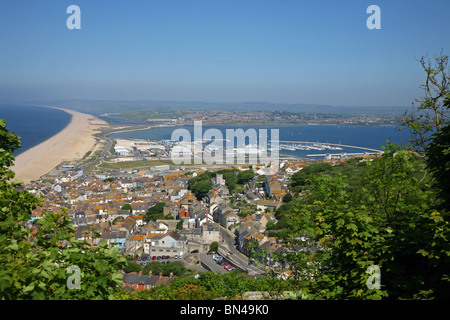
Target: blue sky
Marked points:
287	51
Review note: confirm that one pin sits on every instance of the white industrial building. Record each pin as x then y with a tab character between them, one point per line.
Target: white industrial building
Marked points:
121	151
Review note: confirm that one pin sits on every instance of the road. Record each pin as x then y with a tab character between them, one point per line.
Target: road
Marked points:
228	244
103	154
237	258
211	264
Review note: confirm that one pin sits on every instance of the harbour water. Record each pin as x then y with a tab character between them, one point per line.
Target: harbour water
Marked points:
320	137
37	124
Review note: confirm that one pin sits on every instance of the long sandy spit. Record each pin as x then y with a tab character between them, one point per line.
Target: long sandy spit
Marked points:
69	144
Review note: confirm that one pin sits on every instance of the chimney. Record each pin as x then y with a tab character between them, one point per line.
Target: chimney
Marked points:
140	273
160	274
171	274
150	273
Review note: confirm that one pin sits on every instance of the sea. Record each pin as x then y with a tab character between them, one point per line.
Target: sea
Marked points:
373	137
33	124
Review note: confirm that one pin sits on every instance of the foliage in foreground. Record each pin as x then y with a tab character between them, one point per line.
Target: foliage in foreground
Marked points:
212	285
394	218
391	221
45	260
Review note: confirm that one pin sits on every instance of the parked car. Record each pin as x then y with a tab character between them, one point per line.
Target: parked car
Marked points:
230	268
167	257
224	263
194	251
154	258
211	252
175	257
230	252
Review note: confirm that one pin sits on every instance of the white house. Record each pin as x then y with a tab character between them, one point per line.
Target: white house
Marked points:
168	244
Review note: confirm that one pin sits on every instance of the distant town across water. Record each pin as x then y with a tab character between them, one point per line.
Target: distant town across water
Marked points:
36	124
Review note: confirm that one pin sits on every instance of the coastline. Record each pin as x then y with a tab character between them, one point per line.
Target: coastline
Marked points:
71	143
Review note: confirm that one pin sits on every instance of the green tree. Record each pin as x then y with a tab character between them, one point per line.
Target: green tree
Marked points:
231	180
155	212
438	160
287	197
205	176
177	268
389	221
300	178
37	260
245	176
132	266
127	206
430	115
201	189
230	177
214	246
155	267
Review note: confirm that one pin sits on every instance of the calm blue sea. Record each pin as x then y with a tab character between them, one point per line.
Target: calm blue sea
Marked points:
33	124
362	136
37	124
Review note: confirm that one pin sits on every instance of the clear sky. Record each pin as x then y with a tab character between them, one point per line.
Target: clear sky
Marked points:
288	51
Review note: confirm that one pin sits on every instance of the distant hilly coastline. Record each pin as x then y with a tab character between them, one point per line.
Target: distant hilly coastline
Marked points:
97	107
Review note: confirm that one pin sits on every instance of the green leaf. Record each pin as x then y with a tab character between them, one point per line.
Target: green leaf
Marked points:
423	252
13	246
28	288
5	282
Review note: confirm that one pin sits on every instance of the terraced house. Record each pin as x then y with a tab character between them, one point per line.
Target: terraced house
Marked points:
140	282
165	244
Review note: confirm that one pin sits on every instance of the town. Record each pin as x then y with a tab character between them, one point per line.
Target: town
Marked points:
208	217
230	117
